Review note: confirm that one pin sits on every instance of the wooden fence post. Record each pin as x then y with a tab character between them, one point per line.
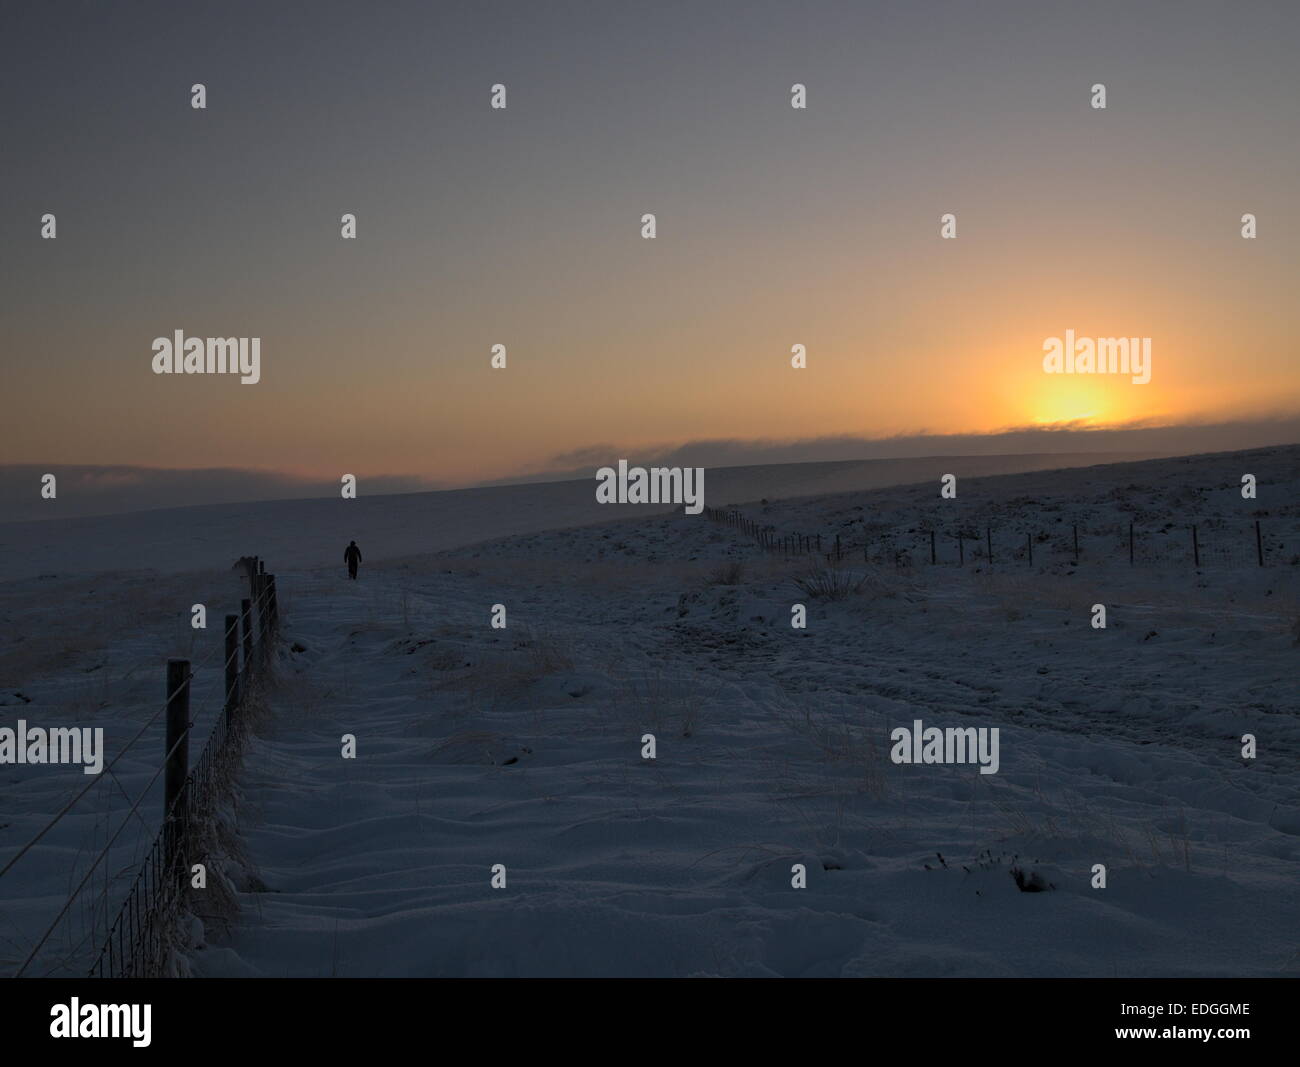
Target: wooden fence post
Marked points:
1076	544
263	621
246	617
837	548
271	601
1196	546
177	767
1259	543
1130	544
1029	547
988	535
932	552
232	667
961	550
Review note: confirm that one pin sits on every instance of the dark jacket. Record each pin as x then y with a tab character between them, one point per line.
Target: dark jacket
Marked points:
352	555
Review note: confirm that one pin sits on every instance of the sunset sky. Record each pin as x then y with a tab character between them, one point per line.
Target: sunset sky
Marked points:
522	227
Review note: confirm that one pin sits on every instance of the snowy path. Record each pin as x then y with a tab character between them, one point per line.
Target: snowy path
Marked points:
522	747
381	865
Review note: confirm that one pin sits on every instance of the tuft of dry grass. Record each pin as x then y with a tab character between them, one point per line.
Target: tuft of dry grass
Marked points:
843	744
830	582
730	573
546	653
659	701
499	678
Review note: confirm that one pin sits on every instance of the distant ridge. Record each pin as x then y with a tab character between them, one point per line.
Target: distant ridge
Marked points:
297	534
85	490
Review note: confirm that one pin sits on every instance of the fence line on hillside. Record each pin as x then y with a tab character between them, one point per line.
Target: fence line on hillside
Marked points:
1197	544
137	941
137	945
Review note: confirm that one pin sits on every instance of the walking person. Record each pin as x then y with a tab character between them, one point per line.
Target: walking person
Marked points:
352	556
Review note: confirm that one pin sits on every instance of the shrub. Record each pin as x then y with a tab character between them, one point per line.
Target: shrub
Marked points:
829	582
729	573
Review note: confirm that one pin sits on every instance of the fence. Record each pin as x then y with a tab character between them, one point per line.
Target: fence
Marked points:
1200	544
136	944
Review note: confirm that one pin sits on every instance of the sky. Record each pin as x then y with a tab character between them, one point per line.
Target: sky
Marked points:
522	227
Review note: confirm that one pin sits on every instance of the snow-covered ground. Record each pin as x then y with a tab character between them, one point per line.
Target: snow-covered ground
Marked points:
523	747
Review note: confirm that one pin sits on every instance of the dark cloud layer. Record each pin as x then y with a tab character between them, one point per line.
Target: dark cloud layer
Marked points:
94	490
1127	439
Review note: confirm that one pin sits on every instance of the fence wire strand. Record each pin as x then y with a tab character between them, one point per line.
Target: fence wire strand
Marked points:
134	945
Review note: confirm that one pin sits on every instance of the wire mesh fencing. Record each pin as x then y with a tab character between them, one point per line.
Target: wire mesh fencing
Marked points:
1210	543
136	941
139	940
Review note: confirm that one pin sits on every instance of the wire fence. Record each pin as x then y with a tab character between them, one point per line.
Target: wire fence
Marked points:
1022	541
138	938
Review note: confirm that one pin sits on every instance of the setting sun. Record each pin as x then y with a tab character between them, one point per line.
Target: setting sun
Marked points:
1077	401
